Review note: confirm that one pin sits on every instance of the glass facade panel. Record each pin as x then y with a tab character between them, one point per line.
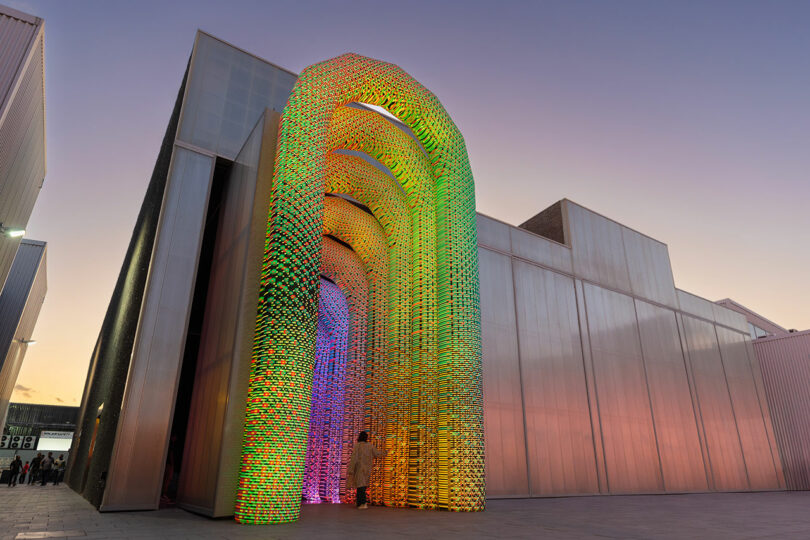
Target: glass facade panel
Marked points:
227	92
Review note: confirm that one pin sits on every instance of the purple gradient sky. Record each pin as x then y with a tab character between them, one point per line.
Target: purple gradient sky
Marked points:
688	121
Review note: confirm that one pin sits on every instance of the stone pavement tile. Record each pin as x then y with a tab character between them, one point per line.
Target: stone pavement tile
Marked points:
659	517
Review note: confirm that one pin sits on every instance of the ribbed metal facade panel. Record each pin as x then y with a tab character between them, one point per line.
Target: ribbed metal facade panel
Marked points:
649	267
22	129
626	385
16	32
557	414
785	365
20	303
628	434
754	318
503	418
209	476
716	413
597	247
144	425
747	413
682	462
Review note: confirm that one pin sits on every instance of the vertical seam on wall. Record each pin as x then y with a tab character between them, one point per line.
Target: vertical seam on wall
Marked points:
700	410
649	398
181	114
777	423
700	428
627	269
585	377
520	373
595	390
733	412
607	287
126	410
194	274
219	488
762	414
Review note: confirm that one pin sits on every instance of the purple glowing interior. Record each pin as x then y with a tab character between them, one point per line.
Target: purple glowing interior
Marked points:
324	447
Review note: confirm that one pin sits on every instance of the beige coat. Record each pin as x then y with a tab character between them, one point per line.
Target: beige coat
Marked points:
359	468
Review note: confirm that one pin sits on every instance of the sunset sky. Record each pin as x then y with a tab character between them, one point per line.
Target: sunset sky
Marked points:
687	121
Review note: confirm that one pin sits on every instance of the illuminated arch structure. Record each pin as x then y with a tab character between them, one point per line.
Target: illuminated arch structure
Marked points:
403	263
371	237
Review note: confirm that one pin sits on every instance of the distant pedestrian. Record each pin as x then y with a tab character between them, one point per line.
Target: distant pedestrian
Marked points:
24	473
35	463
46	467
58	469
14	468
359	468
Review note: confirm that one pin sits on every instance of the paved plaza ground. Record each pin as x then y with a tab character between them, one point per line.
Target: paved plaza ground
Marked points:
57	512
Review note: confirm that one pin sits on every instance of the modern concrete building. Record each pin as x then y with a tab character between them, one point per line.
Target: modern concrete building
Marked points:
20	303
784	358
599	375
22	127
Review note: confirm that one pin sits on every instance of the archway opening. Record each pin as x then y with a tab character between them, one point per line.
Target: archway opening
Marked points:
325	442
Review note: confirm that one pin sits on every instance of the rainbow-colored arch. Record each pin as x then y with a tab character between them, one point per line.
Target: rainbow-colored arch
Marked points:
415	239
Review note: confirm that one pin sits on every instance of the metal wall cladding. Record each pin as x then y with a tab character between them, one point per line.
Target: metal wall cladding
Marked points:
22	147
716	412
628	435
695	305
540	250
558	430
14	296
228	91
755	318
730	318
612	379
16	32
682	461
785	365
747	412
20	303
492	233
503	416
209	476
597	248
649	268
146	412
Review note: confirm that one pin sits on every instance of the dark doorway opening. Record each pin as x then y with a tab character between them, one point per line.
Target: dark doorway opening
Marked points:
174	456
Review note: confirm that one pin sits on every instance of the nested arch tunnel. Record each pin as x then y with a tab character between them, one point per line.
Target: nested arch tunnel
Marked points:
392	338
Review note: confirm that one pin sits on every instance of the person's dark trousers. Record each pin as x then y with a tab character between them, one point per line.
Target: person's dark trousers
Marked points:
361	496
45	475
56	478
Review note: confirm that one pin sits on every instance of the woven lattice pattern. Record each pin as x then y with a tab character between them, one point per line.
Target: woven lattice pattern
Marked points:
324	447
423	366
344	268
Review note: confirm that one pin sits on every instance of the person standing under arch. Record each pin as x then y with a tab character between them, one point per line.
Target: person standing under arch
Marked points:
359	469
